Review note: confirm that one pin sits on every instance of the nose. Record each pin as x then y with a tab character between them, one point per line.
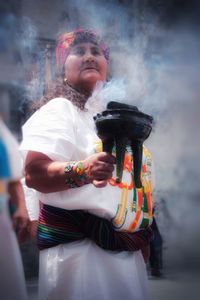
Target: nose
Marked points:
89	56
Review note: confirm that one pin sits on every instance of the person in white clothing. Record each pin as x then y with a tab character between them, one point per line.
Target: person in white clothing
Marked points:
12	280
84	254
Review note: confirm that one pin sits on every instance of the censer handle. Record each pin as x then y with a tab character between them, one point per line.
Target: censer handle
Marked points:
121	143
108	145
137	150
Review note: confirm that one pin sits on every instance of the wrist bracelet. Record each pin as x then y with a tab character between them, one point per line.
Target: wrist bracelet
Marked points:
70	181
79	170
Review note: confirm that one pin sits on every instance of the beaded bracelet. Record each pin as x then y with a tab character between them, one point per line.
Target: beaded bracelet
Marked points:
78	169
69	181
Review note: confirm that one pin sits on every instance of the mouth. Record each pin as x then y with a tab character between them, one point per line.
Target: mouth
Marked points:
90	70
90	67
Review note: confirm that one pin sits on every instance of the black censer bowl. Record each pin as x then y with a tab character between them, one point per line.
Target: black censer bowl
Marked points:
121	125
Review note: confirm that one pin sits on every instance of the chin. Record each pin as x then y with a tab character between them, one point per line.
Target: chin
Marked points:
92	76
91	81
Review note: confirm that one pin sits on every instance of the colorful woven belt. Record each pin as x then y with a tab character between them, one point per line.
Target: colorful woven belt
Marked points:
58	226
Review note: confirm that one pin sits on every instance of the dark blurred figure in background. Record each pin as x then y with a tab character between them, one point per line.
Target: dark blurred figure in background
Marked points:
155	259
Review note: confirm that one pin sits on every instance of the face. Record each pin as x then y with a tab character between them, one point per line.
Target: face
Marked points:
84	66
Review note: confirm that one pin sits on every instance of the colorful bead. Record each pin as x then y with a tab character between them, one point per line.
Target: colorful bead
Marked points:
69	181
80	178
80	171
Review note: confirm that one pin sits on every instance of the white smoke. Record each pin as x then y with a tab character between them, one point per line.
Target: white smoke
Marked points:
163	82
158	71
114	90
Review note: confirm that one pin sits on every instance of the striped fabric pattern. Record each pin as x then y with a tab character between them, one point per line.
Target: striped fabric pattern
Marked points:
102	232
57	226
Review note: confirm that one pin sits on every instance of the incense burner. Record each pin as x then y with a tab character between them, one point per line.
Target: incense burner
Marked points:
121	125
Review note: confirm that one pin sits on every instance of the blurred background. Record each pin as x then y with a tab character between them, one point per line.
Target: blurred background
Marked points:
155	48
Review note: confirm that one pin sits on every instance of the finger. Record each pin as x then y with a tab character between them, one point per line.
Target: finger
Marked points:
107	157
99	183
101	175
105	167
108	167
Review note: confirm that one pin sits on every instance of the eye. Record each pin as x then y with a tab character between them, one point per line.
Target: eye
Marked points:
96	51
79	51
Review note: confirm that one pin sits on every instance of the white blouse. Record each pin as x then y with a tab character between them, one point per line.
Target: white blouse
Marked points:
64	133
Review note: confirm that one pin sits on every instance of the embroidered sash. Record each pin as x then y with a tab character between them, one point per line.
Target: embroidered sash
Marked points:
57	226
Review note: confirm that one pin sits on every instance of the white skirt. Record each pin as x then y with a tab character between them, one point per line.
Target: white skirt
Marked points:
12	280
82	270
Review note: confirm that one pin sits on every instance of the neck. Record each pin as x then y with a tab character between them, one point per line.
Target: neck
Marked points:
84	90
76	96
